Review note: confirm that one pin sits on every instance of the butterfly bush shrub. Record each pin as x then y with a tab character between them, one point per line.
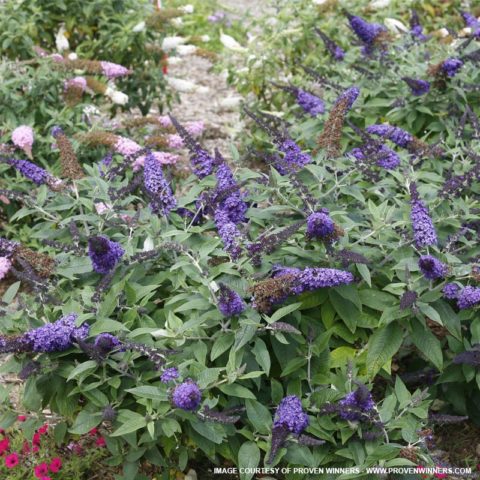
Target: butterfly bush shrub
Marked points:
309	302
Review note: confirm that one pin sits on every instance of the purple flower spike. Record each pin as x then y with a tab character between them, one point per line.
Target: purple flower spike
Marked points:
157	186
229	302
471	22
366	32
169	374
320	225
351	94
229	233
104	253
396	135
450	291
114	70
106	342
293	157
57	336
335	51
313	278
424	232
310	103
431	267
290	415
29	170
451	66
357	404
468	297
418	87
187	395
416	29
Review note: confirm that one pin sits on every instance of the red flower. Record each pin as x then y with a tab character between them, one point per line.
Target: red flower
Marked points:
100	442
4	445
41	470
26	447
11	460
21	418
36	439
55	465
43	429
440	475
93	432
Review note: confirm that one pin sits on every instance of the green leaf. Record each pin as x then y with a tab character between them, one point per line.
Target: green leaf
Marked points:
148	391
376	299
213	431
221	345
261	355
130	426
236	390
428	344
259	415
12	290
364	272
85	367
107	325
244	335
84	422
403	395
283	312
346	310
248	459
382	346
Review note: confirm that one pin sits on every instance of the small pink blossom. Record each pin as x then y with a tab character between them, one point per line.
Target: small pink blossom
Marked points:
102	208
165	121
114	70
175	141
77	82
164	158
5	265
23	138
126	147
56	57
11	460
195	129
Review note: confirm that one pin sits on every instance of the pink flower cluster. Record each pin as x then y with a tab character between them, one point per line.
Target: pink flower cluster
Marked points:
126	147
77	82
195	129
5	265
114	70
23	138
164	158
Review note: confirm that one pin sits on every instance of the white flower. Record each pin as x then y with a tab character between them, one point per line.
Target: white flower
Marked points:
177	22
443	32
378	4
91	110
169	43
184	50
395	26
175	60
72	56
61	40
465	32
139	27
187	9
230	43
202	89
205	38
116	97
148	244
319	2
230	102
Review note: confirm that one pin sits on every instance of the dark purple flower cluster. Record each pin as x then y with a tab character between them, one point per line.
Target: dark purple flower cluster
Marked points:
416	28
202	161
335	51
451	66
424	233
312	278
431	267
290	415
7	247
293	157
356	405
384	156
106	342
350	94
57	336
396	135
471	22
450	291
468	297
157	186
229	302
169	374
104	253
187	395
320	225
31	171
229	233
469	357
417	86
310	103
233	204
367	32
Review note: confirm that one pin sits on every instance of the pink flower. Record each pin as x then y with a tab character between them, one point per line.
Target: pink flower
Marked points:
195	129
23	138
5	265
43	429
93	432
114	70
55	465
56	57
4	445
102	208
41	470
165	121
100	442
174	141
78	82
36	439
126	147
11	460
21	418
164	158
25	448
